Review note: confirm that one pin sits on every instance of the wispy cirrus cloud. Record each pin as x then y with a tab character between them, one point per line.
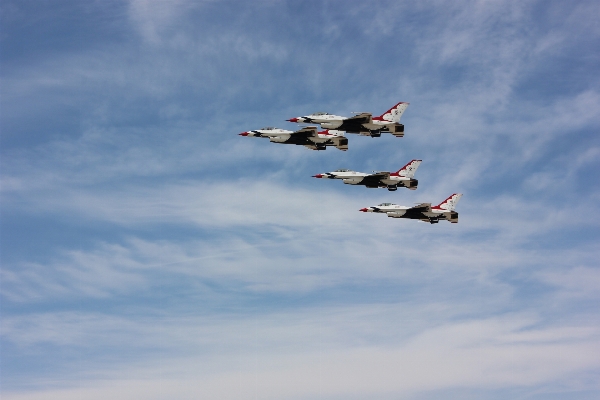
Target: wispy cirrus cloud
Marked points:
315	355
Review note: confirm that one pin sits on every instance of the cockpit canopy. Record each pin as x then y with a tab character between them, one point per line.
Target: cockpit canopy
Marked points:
385	204
342	170
320	113
268	128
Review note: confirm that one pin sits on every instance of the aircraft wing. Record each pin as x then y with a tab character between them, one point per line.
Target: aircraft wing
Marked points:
375	179
355	124
424	207
309	131
393	214
380	175
362	118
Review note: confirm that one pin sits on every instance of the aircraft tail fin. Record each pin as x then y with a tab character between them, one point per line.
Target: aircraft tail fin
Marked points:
394	113
409	169
450	203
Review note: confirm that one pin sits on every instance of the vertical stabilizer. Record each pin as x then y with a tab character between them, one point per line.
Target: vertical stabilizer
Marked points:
394	113
409	169
450	203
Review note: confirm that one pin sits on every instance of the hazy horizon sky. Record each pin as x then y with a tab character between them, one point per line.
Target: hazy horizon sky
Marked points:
148	251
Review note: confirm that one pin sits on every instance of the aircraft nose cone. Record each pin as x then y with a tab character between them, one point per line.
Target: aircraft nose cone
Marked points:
244	134
318	176
293	120
363	210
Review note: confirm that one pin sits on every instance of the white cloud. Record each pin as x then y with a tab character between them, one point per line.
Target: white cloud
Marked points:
153	17
311	355
262	249
575	282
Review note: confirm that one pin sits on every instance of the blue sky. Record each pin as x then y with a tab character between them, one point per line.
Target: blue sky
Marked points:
148	251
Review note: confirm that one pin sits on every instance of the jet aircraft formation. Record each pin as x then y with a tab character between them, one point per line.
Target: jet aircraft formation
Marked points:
364	124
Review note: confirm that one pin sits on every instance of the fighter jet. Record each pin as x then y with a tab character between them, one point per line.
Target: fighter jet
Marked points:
362	123
390	180
308	137
424	211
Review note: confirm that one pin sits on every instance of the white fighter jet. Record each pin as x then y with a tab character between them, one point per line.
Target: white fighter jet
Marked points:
308	137
362	123
390	180
424	211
